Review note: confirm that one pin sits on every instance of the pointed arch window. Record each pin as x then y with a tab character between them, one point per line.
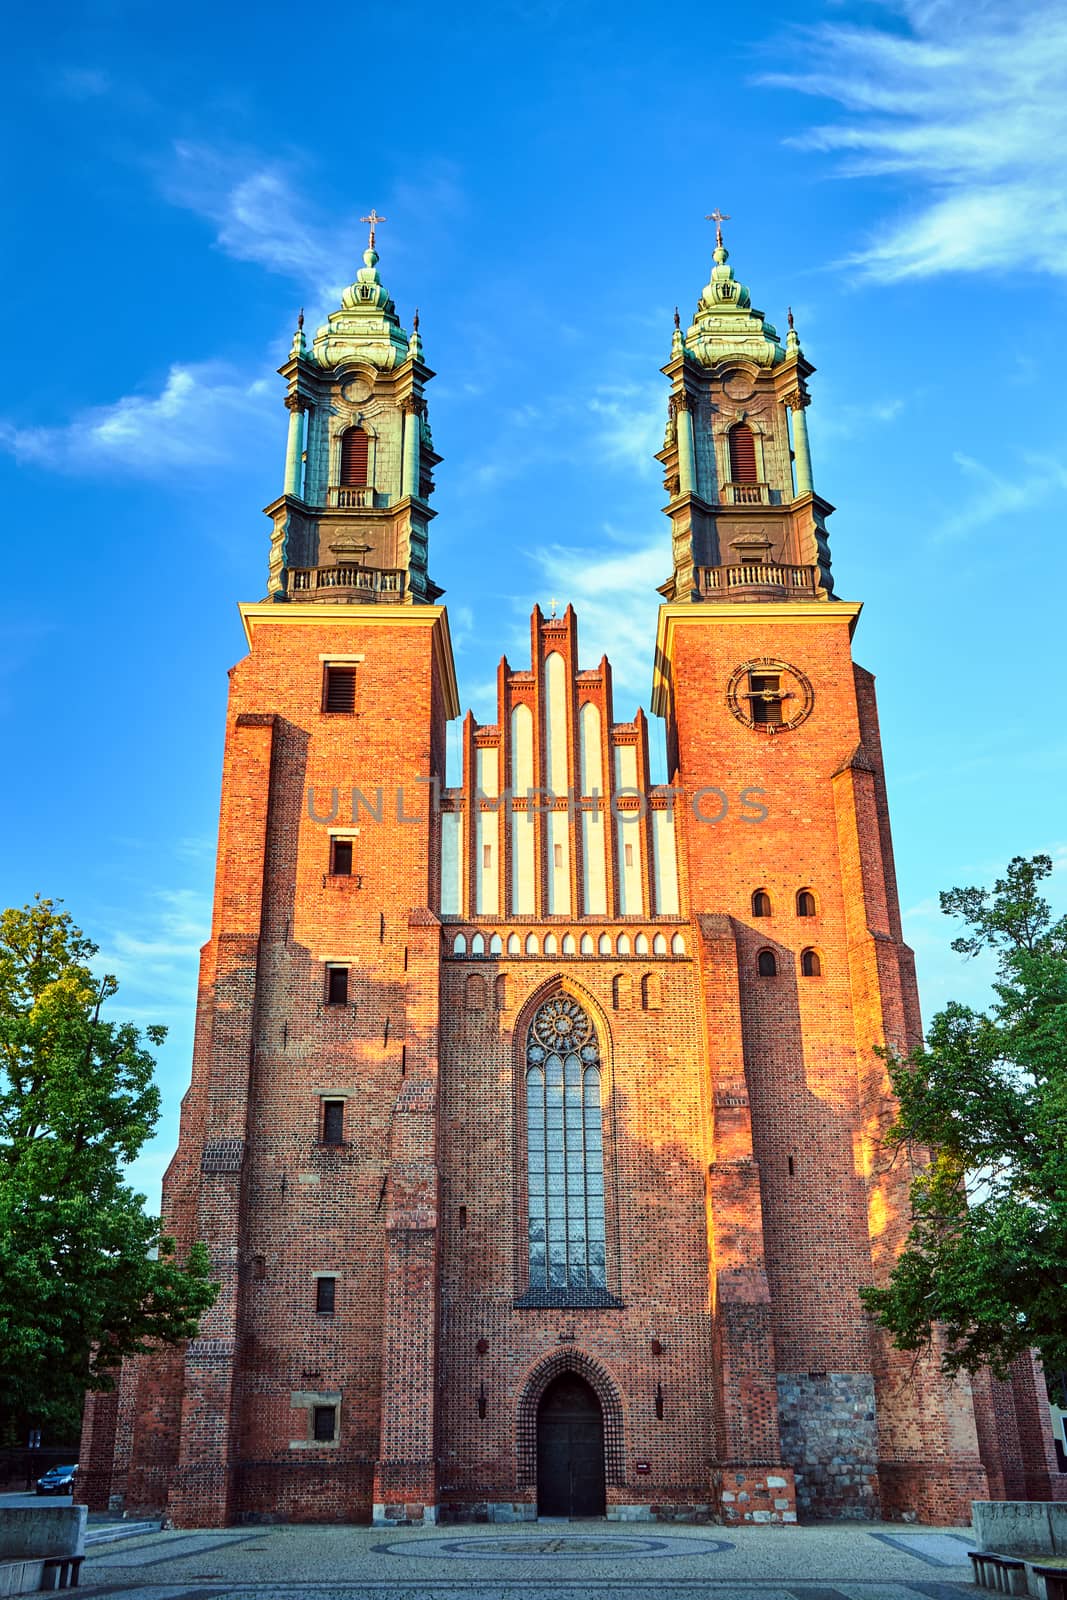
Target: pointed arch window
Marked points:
565	1155
743	455
355	458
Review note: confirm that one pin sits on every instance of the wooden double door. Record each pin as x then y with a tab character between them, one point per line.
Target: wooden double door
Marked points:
570	1450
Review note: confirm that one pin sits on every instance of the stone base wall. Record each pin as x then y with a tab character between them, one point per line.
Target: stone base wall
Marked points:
829	1437
488	1511
404	1516
753	1494
667	1512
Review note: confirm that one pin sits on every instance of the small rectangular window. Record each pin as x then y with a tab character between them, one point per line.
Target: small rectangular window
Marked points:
557	855
333	1122
487	856
629	854
326	1295
339	690
336	986
341	858
325	1424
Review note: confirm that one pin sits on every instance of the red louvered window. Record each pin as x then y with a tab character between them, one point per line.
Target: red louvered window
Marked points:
742	455
355	458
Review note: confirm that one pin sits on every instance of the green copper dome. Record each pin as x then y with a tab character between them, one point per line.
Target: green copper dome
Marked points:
725	323
366	327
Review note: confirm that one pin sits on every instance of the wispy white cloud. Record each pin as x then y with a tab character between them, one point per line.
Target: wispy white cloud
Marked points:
629	419
154	952
995	496
80	83
203	415
615	597
970	102
260	215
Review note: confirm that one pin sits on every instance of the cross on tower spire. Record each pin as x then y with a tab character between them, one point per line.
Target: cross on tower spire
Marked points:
373	218
718	217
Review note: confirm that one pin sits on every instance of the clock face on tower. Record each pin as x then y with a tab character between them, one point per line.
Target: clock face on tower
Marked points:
770	696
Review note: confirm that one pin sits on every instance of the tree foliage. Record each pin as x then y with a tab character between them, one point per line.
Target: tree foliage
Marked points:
85	1277
986	1256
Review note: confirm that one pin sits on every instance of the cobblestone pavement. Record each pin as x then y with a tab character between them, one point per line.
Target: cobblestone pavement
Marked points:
540	1561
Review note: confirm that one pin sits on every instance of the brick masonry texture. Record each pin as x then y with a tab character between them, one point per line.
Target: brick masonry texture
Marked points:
745	1204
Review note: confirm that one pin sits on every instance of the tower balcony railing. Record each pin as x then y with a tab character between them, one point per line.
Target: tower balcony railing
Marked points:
796	582
341	497
345	580
746	494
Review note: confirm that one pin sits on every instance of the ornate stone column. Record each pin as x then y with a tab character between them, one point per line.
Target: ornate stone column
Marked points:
294	449
686	458
412	408
798	402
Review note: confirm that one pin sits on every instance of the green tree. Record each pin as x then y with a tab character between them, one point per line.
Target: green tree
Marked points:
85	1276
986	1099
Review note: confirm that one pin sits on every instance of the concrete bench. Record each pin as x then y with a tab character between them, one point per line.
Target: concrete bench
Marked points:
61	1572
1005	1574
41	1547
1055	1580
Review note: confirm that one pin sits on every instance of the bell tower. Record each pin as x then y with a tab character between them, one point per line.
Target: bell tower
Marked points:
351	524
745	517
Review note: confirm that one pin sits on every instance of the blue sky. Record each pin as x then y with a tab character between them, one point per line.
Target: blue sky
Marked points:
181	180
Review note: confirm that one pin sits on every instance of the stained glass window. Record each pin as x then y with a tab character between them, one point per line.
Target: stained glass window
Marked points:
564	1142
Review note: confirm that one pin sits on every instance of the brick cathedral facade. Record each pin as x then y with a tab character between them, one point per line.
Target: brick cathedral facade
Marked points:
533	1126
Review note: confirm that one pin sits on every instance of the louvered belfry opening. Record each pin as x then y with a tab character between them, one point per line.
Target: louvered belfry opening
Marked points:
355	458
339	692
742	455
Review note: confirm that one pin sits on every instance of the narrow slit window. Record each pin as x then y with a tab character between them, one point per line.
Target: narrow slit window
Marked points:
339	690
341	858
628	854
326	1295
336	986
487	856
557	855
333	1122
324	1425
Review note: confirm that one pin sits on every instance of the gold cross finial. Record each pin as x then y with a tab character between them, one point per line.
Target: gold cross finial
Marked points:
718	217
553	603
374	220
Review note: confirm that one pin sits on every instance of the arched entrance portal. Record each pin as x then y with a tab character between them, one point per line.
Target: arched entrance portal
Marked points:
570	1450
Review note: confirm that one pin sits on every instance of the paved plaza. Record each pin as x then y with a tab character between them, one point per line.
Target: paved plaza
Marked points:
536	1562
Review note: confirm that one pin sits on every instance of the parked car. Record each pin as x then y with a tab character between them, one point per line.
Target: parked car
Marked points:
57	1480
